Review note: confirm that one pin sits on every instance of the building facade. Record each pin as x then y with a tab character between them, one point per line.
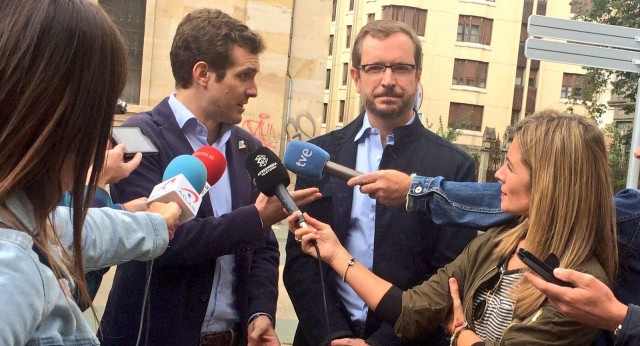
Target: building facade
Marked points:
474	73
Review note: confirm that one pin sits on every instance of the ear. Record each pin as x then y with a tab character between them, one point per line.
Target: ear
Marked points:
201	73
355	75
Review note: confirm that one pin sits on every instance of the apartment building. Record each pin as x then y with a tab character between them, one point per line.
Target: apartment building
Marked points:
475	74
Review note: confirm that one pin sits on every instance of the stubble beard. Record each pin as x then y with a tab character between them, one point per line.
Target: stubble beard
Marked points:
390	113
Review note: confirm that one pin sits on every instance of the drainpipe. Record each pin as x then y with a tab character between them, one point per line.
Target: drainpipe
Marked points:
284	140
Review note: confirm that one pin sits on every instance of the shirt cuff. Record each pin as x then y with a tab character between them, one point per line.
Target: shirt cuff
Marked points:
418	193
254	316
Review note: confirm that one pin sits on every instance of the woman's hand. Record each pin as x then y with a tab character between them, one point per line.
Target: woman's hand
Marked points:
455	318
170	212
321	233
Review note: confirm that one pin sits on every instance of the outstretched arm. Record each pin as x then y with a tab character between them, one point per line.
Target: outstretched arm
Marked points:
591	302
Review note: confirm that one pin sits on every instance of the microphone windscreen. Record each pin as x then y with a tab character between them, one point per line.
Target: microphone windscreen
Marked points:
213	161
266	170
192	168
305	159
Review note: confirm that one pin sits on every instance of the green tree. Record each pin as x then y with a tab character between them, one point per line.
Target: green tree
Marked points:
595	81
450	133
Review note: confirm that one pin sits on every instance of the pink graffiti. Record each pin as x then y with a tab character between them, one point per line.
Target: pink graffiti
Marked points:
262	130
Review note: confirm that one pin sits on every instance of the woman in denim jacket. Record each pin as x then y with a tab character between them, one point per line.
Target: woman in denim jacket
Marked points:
576	223
62	68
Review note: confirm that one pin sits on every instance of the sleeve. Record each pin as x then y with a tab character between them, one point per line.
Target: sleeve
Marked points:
23	295
112	237
200	239
453	240
630	332
462	204
302	280
263	294
547	326
101	199
426	305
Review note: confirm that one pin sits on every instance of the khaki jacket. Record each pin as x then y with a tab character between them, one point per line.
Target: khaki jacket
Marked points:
424	306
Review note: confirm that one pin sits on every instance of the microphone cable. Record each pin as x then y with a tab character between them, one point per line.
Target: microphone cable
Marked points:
324	295
146	308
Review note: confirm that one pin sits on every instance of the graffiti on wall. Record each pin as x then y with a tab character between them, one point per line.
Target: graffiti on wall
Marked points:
302	127
262	129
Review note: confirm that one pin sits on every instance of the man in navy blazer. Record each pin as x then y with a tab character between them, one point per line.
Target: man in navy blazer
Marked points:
403	248
217	283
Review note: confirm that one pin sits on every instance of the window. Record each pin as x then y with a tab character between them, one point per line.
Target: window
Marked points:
470	73
350	5
474	29
416	18
331	45
370	17
345	73
129	17
466	116
328	82
348	45
325	112
519	76
341	115
333	12
570	85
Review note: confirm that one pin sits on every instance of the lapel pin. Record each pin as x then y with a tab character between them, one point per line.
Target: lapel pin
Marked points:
241	145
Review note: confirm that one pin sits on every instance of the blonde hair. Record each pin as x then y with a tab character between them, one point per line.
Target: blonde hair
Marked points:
571	212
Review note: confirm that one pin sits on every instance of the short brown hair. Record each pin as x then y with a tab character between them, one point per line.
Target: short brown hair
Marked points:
381	29
209	35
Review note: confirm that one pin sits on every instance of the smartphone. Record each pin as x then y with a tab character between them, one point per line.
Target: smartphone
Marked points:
541	268
134	140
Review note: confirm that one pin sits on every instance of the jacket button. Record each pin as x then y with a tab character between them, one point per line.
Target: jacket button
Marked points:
204	299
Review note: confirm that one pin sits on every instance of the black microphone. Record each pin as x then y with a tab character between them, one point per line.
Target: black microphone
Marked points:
272	178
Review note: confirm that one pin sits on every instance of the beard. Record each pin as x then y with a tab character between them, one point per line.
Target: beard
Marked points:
389	111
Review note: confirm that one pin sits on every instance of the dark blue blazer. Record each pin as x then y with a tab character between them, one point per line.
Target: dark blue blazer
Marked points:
182	277
409	247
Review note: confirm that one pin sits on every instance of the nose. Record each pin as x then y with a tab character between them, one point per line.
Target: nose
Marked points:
252	90
500	175
388	78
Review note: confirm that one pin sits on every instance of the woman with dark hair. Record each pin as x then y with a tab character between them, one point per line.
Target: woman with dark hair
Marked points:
556	179
62	68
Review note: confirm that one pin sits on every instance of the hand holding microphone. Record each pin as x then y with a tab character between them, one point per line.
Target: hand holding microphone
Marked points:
271	178
170	212
389	187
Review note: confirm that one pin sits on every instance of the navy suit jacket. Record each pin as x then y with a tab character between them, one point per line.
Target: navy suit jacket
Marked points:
409	247
182	277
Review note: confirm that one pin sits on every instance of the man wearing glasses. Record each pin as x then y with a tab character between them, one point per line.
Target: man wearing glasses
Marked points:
386	68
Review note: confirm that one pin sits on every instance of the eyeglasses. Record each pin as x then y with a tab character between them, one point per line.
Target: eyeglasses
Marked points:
397	69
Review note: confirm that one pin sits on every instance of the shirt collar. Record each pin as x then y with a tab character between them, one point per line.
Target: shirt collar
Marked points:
180	111
184	119
366	127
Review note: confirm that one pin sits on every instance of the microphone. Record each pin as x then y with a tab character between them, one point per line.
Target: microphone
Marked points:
214	162
272	178
183	177
312	162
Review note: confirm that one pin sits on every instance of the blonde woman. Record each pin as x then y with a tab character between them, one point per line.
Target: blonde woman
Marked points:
556	179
